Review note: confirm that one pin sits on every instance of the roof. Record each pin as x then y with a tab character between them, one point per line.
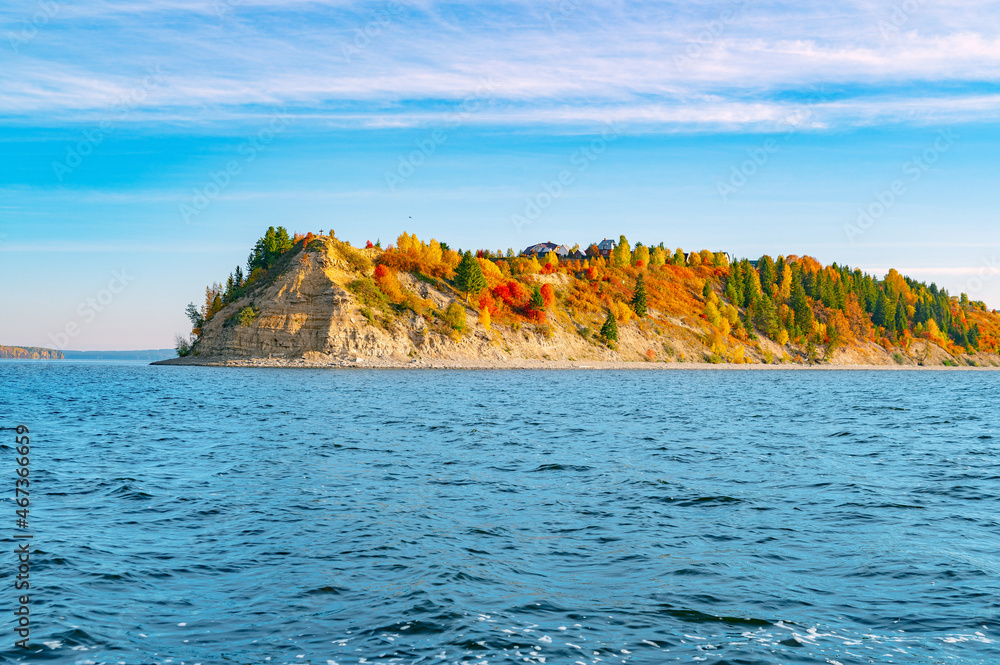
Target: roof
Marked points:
606	244
541	248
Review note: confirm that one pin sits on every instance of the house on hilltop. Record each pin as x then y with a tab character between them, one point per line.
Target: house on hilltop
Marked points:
605	247
543	249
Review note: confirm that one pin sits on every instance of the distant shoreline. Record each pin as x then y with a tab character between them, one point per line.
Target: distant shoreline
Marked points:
378	363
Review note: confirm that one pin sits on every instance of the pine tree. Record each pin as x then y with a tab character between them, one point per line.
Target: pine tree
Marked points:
800	305
639	297
879	315
901	324
537	299
765	316
469	275
609	331
768	275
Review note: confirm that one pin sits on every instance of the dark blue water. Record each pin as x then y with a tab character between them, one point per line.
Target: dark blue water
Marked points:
199	515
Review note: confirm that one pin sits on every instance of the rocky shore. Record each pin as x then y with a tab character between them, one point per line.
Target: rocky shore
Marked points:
383	363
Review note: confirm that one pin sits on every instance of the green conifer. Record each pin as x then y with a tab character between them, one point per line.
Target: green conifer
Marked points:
469	275
609	331
639	297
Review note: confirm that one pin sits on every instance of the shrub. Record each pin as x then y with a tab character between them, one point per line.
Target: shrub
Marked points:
548	294
354	257
247	316
368	293
182	346
455	317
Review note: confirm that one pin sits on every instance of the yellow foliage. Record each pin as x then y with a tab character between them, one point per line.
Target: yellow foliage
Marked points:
712	314
491	272
412	255
782	337
641	253
622	312
484	318
785	290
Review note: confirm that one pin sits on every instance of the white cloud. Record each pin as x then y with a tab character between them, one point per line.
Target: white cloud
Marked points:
661	65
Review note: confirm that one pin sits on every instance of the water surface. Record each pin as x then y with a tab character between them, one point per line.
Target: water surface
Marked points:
209	515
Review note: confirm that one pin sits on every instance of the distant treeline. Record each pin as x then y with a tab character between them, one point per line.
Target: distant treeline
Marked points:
30	353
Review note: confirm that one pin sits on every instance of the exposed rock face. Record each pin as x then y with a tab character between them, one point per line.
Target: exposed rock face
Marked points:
307	311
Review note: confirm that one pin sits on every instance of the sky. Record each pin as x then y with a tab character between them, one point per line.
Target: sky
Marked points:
145	145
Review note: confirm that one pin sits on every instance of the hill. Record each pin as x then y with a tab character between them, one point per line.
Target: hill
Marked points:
29	353
146	354
319	300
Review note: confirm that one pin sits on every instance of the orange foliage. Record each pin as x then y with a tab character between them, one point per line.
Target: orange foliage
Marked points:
412	255
548	294
389	283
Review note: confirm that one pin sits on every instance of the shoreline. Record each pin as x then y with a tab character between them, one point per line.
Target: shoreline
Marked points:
380	363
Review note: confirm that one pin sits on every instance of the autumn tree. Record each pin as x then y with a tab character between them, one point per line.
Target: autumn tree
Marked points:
548	295
639	297
641	255
469	275
622	254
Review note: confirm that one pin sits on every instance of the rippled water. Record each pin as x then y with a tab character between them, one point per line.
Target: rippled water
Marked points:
200	515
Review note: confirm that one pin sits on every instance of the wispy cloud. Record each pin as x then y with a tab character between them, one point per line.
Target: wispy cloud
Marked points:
675	66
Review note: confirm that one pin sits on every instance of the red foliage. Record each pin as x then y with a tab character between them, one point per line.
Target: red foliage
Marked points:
380	272
591	273
548	294
513	294
486	302
369	244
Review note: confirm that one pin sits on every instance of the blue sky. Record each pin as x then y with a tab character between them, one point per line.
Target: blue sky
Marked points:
755	127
